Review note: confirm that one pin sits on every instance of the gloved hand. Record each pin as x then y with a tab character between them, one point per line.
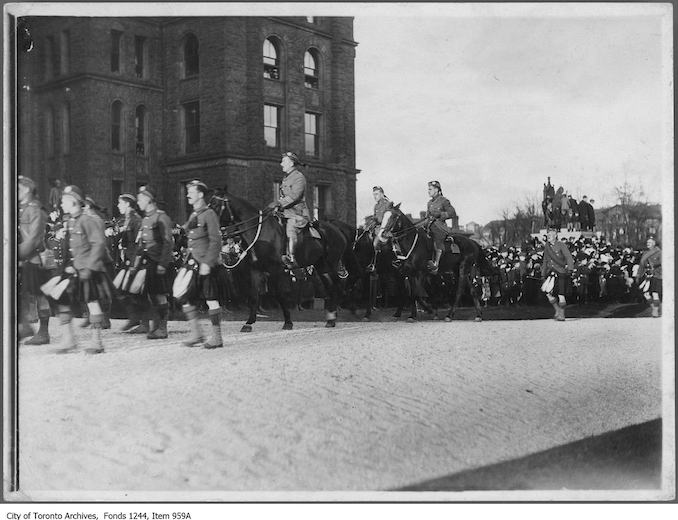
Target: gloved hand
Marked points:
160	269
204	269
70	270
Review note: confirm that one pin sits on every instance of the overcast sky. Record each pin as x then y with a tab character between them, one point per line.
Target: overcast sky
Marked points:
492	105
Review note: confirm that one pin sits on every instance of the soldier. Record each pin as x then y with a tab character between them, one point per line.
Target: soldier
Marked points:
438	211
204	246
86	255
293	203
155	252
128	249
32	225
381	206
651	266
558	262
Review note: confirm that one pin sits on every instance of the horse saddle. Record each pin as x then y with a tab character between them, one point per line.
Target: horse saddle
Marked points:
451	246
313	230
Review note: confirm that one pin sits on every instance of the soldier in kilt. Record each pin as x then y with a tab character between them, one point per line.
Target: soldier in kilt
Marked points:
85	263
32	272
155	255
650	270
559	263
127	251
204	246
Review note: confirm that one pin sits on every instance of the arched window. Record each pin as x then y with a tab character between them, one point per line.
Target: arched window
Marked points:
66	128
191	56
140	130
311	73
116	126
271	59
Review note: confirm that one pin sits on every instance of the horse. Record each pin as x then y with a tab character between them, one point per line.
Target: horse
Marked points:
415	251
265	240
378	277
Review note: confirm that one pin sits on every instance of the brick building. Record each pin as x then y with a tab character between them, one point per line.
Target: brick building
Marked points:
114	103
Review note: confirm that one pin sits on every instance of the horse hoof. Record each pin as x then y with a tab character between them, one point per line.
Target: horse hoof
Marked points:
287	326
365	318
478	319
246	328
448	319
330	324
411	320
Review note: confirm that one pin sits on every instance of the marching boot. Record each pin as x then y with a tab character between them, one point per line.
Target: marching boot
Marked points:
161	331
42	336
106	323
67	343
144	327
655	309
560	312
215	340
25	330
556	308
96	346
196	336
86	323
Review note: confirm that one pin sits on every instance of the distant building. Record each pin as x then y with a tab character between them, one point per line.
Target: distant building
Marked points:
472	227
629	225
110	104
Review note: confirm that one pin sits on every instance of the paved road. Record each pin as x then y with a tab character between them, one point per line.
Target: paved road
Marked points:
365	406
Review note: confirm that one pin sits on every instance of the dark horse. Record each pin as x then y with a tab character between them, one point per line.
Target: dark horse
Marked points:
263	237
384	271
461	269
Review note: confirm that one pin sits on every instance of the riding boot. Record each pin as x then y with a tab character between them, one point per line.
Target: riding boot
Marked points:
42	336
161	331
96	346
215	340
67	343
435	263
196	336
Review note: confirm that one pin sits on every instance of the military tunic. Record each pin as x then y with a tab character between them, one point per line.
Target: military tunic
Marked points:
293	202
129	232
651	263
204	246
558	259
32	223
439	209
155	249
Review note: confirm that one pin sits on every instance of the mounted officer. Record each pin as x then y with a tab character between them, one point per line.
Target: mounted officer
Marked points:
292	201
381	206
438	211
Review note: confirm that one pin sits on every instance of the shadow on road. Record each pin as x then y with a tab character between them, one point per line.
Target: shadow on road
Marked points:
629	458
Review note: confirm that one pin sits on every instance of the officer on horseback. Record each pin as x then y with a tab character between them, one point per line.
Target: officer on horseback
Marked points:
438	211
381	206
293	203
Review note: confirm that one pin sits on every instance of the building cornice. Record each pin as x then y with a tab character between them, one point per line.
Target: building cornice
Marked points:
68	80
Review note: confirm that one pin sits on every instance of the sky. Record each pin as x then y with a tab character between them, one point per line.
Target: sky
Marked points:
492	105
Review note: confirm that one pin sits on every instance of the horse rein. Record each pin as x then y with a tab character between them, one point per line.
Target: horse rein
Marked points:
396	236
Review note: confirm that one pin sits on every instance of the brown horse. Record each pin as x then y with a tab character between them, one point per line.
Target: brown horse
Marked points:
264	239
462	270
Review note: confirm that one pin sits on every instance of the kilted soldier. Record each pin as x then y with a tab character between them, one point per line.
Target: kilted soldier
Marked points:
204	246
128	249
438	211
650	274
381	206
32	225
155	252
85	262
557	264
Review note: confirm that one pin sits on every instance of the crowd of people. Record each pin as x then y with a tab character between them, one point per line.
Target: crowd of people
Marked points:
73	261
561	209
